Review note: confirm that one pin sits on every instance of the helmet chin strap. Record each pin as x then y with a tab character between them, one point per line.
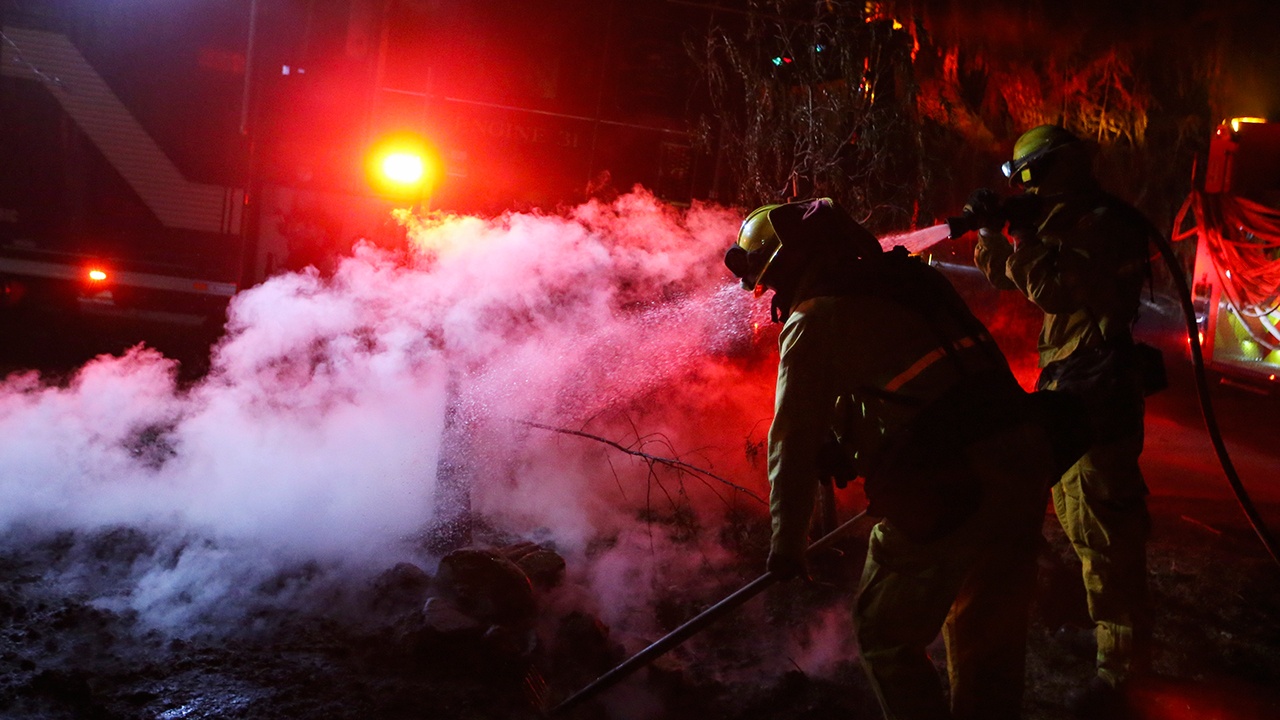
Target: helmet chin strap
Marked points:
780	306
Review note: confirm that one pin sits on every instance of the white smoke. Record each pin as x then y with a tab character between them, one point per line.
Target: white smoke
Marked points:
315	437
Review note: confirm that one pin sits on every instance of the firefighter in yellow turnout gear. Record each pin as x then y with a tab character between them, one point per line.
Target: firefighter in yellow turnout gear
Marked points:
1080	255
880	358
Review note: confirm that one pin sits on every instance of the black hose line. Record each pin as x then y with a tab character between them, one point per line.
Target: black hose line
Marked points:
692	626
1206	405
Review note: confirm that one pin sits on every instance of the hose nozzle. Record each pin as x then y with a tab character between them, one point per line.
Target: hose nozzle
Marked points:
962	224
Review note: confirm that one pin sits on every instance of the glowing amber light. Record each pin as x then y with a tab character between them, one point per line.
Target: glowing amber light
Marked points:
404	168
97	275
1237	122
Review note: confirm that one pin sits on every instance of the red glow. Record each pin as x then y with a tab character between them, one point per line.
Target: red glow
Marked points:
1217	699
96	275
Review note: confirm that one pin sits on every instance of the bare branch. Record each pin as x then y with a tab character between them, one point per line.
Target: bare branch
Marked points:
669	462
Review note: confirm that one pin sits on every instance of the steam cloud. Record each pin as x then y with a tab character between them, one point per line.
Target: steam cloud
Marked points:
331	402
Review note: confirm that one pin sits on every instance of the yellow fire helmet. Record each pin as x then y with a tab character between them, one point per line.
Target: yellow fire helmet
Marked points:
1034	145
757	247
758	241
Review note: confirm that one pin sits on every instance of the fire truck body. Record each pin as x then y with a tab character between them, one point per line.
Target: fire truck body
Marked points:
181	151
1237	229
93	209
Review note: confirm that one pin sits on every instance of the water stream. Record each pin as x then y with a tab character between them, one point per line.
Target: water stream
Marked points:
918	240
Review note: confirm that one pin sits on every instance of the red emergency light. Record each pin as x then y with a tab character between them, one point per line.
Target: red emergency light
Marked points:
403	166
96	275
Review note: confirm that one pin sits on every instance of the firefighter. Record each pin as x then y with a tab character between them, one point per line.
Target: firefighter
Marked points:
882	363
1081	256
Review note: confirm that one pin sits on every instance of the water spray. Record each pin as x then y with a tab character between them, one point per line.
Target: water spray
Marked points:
918	241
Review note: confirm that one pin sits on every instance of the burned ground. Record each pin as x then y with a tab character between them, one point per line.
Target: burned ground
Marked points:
364	650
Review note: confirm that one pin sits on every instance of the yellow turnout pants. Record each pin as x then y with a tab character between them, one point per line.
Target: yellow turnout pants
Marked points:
975	585
1101	504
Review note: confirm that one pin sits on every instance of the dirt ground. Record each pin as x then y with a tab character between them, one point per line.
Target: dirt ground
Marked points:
1217	651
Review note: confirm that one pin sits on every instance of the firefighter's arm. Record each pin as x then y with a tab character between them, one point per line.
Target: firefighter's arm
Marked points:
1051	273
991	255
801	422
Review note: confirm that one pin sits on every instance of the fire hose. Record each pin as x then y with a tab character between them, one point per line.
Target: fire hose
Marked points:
969	221
691	627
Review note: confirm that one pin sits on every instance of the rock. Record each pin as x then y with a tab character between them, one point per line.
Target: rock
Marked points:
442	616
545	568
487	586
403	587
509	649
582	649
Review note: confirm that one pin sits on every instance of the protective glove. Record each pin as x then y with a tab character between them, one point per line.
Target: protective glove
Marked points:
834	462
1023	212
787	565
983	208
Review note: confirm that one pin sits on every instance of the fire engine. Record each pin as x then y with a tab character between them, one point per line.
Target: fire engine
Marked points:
155	158
1234	216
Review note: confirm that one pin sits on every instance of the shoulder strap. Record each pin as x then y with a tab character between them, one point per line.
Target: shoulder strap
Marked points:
908	281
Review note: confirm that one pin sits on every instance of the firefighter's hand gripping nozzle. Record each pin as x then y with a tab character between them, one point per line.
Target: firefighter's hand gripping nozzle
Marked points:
961	224
983	209
987	209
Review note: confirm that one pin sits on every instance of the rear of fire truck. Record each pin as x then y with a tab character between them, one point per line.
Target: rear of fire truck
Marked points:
1234	215
119	165
157	157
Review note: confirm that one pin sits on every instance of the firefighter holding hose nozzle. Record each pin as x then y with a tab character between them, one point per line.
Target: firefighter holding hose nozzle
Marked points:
1080	254
880	357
